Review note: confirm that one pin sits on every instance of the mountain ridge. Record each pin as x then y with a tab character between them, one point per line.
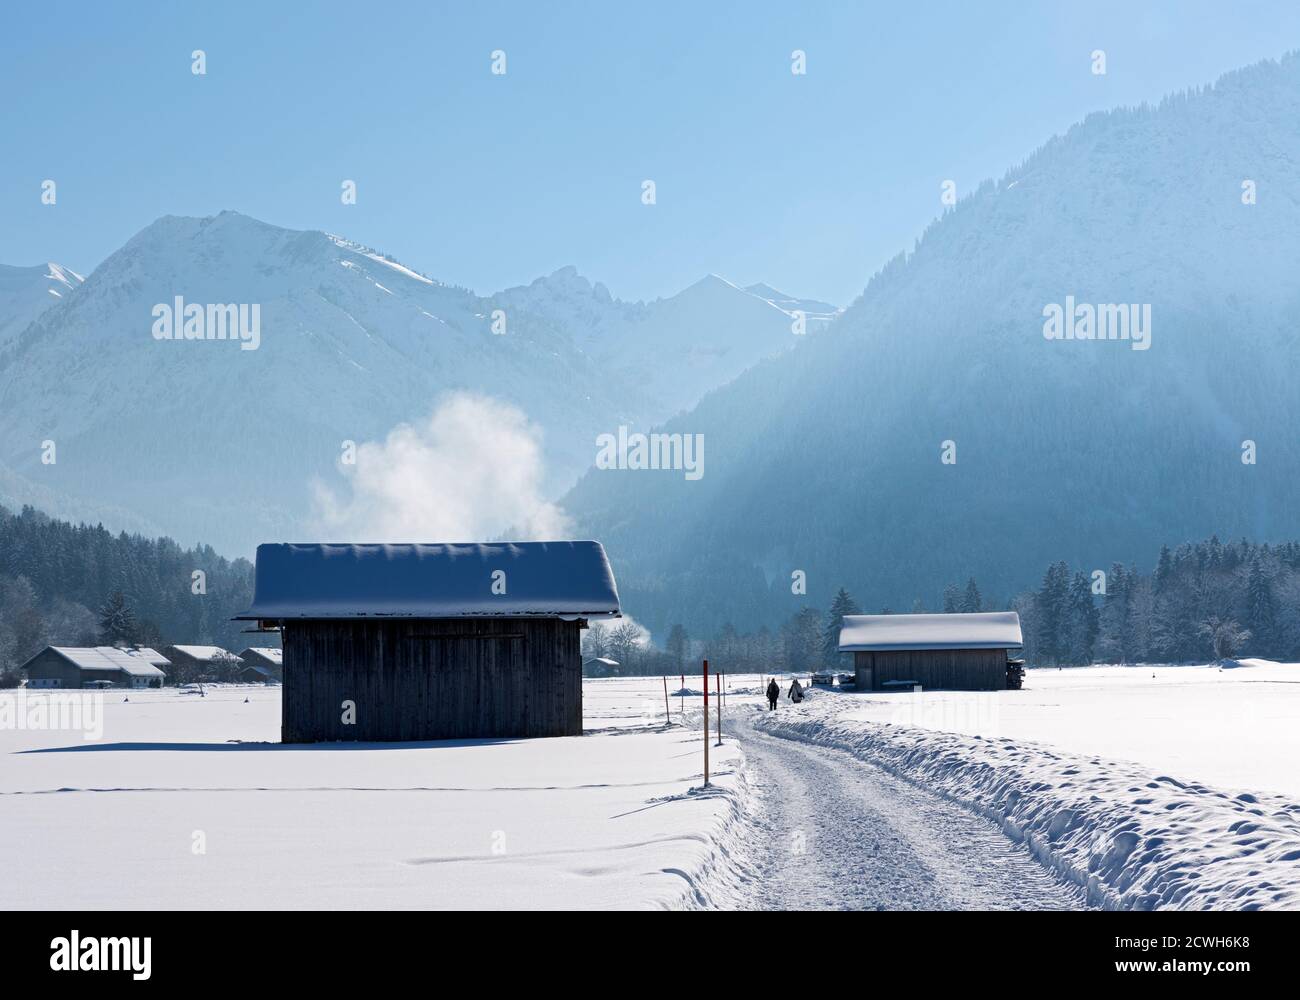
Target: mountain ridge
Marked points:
354	344
828	460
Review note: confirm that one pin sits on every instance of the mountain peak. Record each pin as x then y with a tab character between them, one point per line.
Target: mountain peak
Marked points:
26	292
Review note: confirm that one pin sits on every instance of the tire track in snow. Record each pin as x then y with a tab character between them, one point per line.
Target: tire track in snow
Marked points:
829	831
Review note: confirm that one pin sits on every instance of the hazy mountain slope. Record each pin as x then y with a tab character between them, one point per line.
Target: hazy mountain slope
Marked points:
26	292
203	440
827	459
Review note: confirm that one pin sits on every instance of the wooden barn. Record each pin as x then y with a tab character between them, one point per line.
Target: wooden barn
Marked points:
962	652
431	642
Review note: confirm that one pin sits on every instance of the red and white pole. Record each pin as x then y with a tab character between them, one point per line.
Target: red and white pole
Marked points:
706	722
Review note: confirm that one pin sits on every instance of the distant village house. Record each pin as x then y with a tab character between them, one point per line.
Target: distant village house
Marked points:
261	665
70	667
600	666
203	663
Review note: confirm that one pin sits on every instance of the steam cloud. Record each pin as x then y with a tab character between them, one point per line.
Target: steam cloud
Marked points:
471	472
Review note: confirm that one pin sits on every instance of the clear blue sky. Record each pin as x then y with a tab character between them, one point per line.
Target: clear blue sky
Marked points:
809	183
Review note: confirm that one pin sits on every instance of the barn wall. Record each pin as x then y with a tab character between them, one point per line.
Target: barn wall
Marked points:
431	679
51	666
271	666
950	669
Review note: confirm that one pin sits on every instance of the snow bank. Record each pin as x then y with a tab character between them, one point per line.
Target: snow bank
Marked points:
1132	837
1236	729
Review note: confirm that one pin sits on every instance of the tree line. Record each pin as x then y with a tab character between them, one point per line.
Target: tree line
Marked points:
78	585
1201	601
70	584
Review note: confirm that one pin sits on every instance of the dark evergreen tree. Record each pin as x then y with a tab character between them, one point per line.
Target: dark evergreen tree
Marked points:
1114	632
1082	621
117	622
971	601
1261	609
843	604
1051	607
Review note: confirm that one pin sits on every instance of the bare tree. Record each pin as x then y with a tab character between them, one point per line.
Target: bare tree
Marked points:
1225	635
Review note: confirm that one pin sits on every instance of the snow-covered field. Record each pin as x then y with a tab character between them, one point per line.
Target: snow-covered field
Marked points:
603	820
1151	786
1147	786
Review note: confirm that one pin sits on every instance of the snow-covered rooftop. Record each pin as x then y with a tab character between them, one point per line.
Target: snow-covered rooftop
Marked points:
269	654
203	652
511	579
142	662
984	630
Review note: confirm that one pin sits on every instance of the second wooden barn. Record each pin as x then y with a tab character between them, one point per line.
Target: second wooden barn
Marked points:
963	652
431	642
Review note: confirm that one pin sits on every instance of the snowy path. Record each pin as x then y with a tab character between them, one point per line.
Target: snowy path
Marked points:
833	832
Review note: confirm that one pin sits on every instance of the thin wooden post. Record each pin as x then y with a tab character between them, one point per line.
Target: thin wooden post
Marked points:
706	723
668	716
682	689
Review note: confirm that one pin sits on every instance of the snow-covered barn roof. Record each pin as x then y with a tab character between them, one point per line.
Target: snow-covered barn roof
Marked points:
204	653
985	630
536	580
270	655
141	662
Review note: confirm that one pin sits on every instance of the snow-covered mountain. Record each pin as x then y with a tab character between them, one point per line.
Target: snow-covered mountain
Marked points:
829	459
674	349
26	292
204	440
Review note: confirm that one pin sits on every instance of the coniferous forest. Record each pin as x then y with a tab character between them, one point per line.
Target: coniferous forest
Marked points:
77	585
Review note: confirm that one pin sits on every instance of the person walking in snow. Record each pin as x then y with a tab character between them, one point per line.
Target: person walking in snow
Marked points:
796	691
773	693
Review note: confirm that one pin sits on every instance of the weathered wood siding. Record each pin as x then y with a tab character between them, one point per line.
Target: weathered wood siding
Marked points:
431	679
951	669
49	665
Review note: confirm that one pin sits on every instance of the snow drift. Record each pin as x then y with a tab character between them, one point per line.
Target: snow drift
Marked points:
1132	837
